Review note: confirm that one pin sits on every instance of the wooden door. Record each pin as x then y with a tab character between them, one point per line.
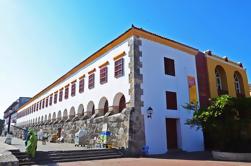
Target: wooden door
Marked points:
171	132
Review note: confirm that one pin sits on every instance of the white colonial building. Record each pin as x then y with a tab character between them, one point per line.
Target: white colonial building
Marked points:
147	75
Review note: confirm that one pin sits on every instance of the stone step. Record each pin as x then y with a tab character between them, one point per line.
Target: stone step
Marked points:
65	156
87	150
83	155
80	153
88	158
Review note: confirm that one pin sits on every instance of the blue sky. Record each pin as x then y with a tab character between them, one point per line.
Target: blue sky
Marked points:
40	40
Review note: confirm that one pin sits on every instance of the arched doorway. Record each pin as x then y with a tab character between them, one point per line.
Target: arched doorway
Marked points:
49	117
238	84
80	110
72	113
91	108
54	116
119	102
221	80
103	106
65	115
59	117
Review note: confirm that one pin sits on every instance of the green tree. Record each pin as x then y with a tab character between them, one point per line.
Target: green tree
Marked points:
226	123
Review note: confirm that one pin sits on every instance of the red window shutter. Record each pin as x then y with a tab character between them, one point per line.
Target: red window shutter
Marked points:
171	100
169	66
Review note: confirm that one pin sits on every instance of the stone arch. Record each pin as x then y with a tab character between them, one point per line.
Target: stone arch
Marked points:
65	114
42	119
54	116
80	110
72	113
59	116
90	108
39	119
119	102
221	80
36	120
103	106
238	84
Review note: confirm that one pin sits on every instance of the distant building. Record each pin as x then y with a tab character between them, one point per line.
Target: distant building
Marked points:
11	112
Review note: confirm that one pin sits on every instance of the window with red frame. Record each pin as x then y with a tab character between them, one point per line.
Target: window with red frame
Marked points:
91	81
40	105
73	89
43	103
66	92
60	95
50	103
81	85
55	97
169	66
103	75
46	102
119	68
171	100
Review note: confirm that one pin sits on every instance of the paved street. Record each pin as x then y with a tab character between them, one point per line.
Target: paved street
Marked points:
172	159
153	162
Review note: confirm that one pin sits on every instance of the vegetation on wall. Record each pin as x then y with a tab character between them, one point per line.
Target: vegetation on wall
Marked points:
226	123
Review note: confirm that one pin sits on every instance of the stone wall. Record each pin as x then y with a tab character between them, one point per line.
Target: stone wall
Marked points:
136	129
117	124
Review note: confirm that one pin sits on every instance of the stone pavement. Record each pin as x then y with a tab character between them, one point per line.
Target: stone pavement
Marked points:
153	162
6	157
19	144
172	159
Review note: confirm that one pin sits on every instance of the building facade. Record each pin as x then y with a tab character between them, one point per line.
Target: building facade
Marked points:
10	114
135	87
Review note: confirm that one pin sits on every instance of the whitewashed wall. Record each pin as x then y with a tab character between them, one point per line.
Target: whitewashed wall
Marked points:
155	84
109	89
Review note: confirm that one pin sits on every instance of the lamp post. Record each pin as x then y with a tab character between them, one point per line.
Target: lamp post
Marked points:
149	112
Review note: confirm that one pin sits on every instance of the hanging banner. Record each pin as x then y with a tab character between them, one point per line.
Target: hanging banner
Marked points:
192	89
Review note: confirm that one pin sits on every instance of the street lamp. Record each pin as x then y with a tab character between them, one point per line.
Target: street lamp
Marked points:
149	112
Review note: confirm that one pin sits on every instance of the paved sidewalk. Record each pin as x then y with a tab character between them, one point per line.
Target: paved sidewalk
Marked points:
6	157
19	144
152	162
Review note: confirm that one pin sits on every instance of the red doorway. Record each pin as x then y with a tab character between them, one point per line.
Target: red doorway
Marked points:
171	133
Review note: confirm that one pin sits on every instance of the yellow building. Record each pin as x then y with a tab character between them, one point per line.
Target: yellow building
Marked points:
250	89
226	77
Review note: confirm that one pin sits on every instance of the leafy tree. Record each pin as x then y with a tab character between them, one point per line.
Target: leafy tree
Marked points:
226	123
